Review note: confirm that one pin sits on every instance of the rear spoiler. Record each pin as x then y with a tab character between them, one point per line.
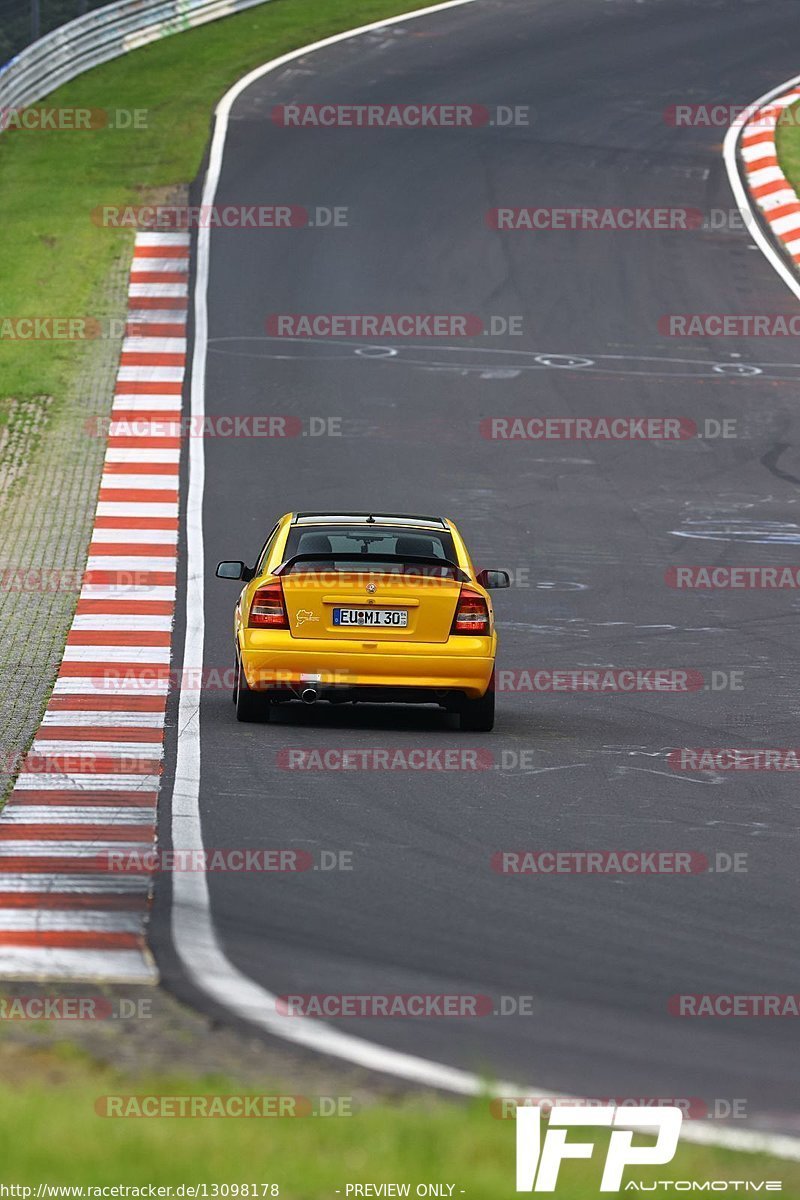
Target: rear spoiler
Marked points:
423	559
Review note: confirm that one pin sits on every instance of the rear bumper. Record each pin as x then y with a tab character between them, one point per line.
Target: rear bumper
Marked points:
460	664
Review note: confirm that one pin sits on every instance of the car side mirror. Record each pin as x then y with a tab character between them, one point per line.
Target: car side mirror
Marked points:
234	570
493	579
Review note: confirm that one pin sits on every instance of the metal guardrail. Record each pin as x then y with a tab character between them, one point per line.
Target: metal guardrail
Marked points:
99	36
25	21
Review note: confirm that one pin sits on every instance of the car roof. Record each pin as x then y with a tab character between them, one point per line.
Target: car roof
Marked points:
402	520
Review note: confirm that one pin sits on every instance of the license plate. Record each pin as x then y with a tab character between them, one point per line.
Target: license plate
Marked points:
371	618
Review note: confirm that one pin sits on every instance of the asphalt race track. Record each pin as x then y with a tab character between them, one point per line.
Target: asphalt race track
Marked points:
589	528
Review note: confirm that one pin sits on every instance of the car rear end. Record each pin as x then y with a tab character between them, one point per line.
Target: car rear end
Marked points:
367	607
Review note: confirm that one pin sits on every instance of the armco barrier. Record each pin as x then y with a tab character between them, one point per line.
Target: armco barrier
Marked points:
100	36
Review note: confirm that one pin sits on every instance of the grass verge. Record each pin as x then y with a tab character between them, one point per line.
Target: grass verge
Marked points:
51	1132
787	139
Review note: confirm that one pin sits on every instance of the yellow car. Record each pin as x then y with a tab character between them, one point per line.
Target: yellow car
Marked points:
365	607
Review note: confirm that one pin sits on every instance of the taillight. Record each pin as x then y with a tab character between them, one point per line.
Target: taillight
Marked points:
472	613
268	610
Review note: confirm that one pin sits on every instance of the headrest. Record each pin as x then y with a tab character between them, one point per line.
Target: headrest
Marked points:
414	545
314	543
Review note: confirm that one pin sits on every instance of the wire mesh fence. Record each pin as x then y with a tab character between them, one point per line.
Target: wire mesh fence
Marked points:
23	21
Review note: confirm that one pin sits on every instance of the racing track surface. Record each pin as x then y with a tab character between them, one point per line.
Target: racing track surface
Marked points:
594	522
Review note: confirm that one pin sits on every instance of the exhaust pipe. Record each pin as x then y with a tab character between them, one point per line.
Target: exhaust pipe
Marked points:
309	695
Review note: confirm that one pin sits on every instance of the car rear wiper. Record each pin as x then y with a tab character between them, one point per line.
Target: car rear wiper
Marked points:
422	559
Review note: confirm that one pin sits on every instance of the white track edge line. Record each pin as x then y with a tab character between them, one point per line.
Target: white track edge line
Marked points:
193	933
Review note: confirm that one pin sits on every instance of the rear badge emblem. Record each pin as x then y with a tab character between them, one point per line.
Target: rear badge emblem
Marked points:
371	587
304	615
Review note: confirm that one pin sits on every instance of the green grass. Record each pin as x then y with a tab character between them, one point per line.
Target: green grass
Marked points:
55	260
787	138
50	1132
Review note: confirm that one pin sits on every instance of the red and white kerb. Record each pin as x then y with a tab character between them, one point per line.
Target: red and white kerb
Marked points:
90	781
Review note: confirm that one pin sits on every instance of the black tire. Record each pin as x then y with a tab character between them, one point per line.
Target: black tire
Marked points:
250	706
477	716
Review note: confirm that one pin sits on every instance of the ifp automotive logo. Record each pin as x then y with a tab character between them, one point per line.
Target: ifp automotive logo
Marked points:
539	1160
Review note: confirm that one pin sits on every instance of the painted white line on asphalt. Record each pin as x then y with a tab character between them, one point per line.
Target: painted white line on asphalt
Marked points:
84	781
142	655
154	345
62	852
150	374
157	482
118	508
57	885
73	814
128	622
128	401
46	962
162	239
131	564
51	921
168	537
57	749
193	931
786	224
157	289
96	717
126	591
145	263
145	428
751	154
98	686
765	175
155	316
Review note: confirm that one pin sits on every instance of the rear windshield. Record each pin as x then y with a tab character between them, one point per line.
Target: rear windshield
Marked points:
365	547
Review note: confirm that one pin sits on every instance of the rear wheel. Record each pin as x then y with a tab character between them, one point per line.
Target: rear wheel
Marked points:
250	705
477	716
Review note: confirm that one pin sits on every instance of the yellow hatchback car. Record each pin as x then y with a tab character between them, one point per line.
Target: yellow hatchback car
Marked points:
365	607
